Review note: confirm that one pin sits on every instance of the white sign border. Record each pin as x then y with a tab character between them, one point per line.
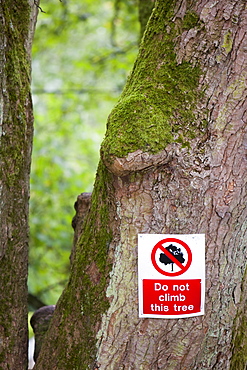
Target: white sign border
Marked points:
195	271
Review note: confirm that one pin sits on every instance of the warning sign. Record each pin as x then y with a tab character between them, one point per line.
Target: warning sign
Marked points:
171	275
172	297
171	255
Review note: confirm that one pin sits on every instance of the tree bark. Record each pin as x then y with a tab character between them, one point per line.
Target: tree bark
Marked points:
17	21
173	161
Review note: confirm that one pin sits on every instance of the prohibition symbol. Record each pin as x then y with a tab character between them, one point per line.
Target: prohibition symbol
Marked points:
171	255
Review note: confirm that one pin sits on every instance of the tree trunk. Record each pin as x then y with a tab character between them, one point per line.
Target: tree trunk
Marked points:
173	161
17	21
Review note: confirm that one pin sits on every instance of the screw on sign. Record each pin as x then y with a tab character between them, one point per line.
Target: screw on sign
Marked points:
171	255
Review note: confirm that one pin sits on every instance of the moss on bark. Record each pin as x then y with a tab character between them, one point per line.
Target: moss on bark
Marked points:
158	104
15	152
84	300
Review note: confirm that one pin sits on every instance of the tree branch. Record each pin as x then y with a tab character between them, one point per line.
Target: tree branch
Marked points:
35	3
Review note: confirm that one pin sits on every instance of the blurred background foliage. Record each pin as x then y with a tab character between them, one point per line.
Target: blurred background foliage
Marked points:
83	51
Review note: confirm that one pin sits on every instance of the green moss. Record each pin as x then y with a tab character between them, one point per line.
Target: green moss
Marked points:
17	69
17	16
15	151
159	101
148	117
95	240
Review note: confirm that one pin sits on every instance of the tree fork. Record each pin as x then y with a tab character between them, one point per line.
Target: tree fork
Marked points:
173	162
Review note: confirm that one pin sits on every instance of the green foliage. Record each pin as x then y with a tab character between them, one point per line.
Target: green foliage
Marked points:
82	53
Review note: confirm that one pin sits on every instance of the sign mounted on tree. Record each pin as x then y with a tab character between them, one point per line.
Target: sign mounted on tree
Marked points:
171	275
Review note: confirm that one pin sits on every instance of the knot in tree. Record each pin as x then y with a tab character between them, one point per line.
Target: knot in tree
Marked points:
40	322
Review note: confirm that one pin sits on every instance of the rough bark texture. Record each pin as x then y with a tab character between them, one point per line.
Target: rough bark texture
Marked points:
17	20
173	161
81	206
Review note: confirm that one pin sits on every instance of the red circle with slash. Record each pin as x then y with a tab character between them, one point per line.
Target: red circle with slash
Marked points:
183	268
